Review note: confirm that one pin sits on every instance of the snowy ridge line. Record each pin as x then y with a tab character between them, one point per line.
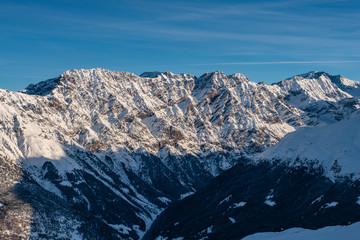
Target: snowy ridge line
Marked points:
177	113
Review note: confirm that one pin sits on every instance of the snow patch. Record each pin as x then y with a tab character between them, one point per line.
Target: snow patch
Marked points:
317	200
239	204
161	238
351	232
121	228
65	183
332	204
182	196
164	200
225	200
232	220
268	199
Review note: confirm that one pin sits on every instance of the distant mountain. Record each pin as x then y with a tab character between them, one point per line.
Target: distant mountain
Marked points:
98	154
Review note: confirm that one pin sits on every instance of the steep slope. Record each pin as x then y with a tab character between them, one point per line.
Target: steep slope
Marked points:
320	95
108	151
346	85
315	86
335	147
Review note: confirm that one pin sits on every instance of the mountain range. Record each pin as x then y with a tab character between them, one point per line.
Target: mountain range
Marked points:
99	154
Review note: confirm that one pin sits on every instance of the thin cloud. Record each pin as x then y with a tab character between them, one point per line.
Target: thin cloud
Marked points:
266	63
27	76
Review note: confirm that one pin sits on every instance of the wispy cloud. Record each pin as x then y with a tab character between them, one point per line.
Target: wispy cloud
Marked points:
265	63
39	77
265	22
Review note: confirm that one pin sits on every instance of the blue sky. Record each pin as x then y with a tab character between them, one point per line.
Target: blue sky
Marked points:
265	40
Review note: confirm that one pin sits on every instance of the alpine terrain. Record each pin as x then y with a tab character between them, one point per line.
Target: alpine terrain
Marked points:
99	154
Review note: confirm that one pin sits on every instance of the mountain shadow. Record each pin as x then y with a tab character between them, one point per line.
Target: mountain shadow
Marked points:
100	198
263	197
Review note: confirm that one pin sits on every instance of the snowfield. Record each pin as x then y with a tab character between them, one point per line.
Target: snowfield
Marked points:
335	146
351	232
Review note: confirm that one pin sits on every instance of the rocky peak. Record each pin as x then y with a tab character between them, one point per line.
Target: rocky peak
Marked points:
339	80
161	74
150	74
78	79
218	80
312	74
343	83
312	87
42	88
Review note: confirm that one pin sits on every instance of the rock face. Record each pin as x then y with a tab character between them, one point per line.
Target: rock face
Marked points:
96	151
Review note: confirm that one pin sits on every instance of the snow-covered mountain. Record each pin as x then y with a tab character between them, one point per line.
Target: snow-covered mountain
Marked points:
108	151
